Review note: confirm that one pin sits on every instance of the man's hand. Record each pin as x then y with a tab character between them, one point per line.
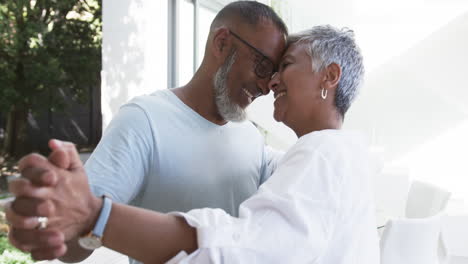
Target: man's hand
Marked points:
56	188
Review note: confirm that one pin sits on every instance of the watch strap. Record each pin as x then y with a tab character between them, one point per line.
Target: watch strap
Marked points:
101	223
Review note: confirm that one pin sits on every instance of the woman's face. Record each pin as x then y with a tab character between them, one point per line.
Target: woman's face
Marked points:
297	89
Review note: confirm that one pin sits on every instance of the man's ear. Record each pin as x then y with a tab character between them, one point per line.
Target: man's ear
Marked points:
221	43
332	76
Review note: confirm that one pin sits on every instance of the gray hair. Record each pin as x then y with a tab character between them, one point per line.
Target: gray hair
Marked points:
326	45
228	109
250	12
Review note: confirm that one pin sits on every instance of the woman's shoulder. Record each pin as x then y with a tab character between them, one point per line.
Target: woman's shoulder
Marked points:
332	140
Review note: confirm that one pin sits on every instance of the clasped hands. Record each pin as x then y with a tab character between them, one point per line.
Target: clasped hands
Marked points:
53	203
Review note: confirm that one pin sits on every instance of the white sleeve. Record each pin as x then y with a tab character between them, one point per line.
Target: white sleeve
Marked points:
119	164
290	219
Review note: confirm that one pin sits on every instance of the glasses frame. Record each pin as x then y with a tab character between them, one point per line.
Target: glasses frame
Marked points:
264	58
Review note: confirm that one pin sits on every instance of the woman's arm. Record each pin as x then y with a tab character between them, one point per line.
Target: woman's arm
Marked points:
148	236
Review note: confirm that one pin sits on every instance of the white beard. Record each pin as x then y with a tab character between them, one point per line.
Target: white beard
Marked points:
228	110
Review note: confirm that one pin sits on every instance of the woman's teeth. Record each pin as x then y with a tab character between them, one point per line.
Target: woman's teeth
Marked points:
279	95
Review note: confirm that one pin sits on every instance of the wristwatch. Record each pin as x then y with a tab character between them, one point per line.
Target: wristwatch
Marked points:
93	239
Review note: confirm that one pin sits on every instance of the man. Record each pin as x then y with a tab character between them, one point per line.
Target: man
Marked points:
178	149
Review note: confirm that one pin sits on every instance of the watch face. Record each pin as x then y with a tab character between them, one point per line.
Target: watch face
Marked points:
90	242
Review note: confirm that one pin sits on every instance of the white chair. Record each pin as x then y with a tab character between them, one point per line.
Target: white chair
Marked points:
391	193
425	200
455	238
411	241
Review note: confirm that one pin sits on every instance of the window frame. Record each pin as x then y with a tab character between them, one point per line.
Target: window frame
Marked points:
174	31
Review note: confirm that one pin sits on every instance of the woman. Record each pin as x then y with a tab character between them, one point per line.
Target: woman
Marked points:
316	208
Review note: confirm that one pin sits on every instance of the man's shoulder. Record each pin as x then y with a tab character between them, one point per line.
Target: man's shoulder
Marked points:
139	113
158	101
155	97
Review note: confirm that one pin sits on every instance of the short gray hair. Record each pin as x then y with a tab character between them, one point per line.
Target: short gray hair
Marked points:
326	45
250	12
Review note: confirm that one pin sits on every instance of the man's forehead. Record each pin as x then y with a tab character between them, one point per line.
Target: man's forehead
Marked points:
266	37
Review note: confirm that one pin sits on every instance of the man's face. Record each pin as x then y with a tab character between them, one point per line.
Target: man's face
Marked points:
237	82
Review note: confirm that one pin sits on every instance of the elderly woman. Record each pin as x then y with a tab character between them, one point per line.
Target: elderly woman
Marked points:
317	206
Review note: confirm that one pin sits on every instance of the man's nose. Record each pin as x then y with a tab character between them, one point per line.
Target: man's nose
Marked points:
262	86
273	82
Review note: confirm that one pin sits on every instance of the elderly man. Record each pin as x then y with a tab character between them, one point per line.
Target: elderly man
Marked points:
173	150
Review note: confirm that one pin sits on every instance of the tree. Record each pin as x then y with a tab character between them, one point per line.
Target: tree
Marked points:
49	50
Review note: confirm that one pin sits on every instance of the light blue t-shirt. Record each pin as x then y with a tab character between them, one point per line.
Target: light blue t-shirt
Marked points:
159	154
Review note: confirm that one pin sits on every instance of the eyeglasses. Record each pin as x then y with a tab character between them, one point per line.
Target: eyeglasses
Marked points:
264	67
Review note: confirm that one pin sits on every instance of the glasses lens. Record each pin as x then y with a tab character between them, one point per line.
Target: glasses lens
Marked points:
264	68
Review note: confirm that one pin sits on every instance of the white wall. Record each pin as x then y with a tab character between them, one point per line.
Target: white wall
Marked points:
416	107
414	104
134	53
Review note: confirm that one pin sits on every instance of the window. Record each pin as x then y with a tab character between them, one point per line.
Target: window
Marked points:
189	27
186	42
206	17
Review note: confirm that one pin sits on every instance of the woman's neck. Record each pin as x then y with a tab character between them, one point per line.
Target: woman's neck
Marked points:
305	127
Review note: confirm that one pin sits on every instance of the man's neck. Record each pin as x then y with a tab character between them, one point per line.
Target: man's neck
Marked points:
198	94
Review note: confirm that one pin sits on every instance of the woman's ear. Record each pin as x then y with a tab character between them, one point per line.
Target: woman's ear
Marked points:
220	44
332	76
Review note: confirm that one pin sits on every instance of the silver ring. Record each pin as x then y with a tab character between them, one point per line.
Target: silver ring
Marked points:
42	222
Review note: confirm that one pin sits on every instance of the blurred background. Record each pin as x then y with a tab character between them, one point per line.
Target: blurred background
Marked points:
67	66
50	63
50	84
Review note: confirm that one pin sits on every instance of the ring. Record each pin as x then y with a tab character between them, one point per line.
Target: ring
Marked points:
42	222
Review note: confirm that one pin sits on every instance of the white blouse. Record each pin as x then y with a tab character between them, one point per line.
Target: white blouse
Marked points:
317	207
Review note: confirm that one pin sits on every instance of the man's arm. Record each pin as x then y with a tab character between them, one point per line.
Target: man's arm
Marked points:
73	211
144	235
124	156
120	159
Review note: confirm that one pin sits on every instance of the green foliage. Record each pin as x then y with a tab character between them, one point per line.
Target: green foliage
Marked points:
46	45
4	245
8	253
15	257
47	48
